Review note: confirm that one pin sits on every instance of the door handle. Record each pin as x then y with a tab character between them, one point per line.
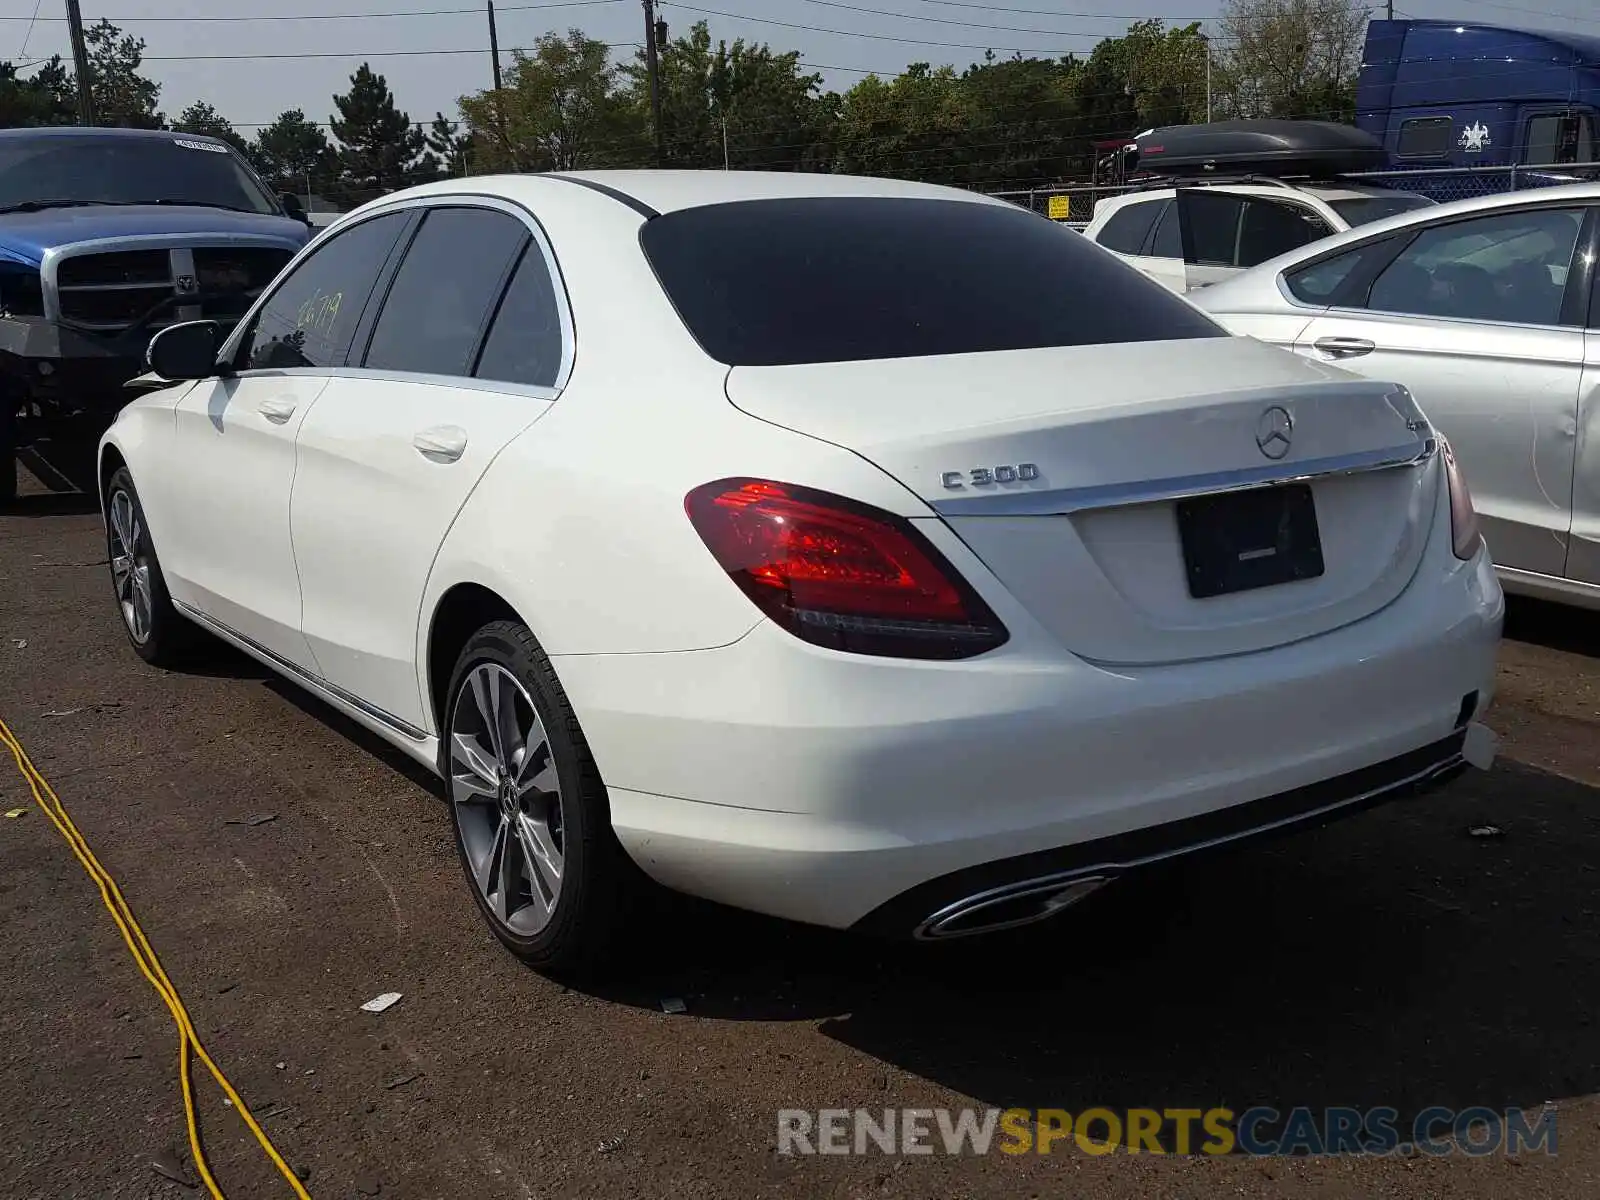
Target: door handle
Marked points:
1345	347
442	443
277	409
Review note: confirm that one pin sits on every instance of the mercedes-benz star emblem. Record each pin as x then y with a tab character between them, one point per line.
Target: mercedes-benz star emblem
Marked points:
1274	431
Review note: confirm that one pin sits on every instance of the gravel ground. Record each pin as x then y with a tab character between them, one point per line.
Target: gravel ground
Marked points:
1389	960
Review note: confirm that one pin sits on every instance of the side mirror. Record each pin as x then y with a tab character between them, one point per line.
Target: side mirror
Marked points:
186	351
291	205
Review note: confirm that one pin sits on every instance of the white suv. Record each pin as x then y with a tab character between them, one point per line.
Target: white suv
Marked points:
1269	219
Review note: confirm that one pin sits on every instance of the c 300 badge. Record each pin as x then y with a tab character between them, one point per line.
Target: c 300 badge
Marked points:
989	476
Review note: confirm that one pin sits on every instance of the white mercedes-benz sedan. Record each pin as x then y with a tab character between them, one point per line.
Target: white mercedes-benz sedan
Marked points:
866	553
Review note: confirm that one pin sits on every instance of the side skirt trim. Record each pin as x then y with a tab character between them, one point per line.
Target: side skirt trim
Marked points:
312	682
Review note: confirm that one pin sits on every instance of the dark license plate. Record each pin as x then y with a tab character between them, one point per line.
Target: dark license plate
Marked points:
1238	541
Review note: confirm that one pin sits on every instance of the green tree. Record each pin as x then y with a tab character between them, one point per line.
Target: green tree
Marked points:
43	98
1293	58
1019	115
912	126
380	149
560	109
453	148
122	96
740	105
293	154
1149	77
201	118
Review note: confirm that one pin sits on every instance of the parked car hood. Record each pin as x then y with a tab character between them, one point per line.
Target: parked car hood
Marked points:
25	236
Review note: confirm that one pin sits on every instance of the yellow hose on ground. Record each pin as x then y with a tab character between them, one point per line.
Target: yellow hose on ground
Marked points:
150	966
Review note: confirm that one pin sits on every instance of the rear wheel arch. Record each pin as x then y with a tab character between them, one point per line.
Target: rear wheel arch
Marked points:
462	610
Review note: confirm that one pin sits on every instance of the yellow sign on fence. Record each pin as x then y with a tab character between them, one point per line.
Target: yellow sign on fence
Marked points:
1060	208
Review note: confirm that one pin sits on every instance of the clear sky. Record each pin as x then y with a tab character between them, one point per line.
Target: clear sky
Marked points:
190	43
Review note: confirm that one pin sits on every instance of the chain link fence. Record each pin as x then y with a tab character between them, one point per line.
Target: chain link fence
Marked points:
1074	204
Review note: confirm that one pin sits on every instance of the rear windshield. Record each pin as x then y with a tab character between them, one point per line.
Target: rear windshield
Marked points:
840	279
1374	208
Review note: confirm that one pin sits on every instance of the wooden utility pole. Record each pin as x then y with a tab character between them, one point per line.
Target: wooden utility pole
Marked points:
80	63
499	96
494	46
654	66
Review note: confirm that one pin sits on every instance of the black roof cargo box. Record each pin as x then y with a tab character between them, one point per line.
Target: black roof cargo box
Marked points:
1317	148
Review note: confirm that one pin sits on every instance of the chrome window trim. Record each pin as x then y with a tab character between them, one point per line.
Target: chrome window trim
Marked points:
569	336
466	382
50	262
1069	500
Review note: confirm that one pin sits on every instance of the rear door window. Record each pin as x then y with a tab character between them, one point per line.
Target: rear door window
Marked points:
1210	226
1269	228
838	279
435	313
1168	239
1129	226
1502	267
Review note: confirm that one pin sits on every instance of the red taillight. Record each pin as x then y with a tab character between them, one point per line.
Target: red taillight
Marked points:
1465	536
840	574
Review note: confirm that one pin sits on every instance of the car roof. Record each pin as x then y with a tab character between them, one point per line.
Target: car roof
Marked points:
1586	193
652	193
1260	280
669	191
52	131
1341	190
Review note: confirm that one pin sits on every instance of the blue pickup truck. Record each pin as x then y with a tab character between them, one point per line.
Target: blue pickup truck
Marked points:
106	236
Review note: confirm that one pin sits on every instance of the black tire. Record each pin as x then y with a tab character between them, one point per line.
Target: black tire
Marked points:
165	637
592	914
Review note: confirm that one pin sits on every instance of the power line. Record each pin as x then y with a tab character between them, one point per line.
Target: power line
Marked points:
336	54
346	16
903	16
880	37
28	34
1050	12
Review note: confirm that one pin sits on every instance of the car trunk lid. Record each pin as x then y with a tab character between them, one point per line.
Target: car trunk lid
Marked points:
1112	491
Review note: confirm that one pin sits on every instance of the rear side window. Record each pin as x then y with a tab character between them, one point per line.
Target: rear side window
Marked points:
442	295
524	343
1321	282
841	279
1128	227
310	319
1362	210
1425	137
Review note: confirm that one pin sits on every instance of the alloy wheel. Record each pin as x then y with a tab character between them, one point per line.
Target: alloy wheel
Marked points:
507	798
130	566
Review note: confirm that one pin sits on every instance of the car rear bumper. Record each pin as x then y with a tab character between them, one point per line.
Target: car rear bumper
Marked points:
843	790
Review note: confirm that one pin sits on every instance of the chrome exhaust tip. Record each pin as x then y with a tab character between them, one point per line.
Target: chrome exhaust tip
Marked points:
1008	908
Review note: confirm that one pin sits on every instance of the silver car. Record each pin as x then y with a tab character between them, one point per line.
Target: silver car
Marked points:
1489	311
